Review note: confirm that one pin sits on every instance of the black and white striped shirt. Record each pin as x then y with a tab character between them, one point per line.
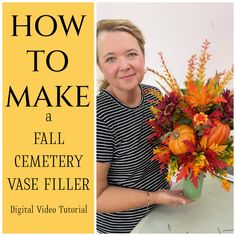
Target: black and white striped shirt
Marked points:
122	140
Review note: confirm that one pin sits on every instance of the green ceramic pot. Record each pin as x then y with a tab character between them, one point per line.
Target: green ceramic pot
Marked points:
190	191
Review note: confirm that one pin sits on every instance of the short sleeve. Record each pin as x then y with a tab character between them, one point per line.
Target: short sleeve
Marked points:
105	142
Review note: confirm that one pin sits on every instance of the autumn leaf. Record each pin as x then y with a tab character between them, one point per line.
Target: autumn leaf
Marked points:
217	148
194	180
190	146
217	114
183	173
214	161
189	112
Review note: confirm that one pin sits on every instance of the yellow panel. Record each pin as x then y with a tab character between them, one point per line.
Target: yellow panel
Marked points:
48	121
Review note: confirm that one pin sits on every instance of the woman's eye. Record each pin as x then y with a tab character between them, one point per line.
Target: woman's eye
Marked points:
110	59
132	54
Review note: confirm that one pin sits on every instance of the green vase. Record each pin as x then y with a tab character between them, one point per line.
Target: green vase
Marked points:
190	191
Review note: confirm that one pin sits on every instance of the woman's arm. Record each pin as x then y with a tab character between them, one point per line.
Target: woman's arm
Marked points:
113	199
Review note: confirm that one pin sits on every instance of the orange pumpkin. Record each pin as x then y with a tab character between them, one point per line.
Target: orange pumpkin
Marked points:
218	134
180	134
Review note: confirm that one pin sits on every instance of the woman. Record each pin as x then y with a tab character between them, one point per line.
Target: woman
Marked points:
129	183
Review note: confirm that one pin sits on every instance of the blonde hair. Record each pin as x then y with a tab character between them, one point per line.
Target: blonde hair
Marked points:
113	25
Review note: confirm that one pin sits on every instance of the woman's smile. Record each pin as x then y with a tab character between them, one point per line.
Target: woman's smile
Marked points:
126	77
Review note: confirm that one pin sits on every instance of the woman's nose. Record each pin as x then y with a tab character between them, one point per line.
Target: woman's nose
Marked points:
123	64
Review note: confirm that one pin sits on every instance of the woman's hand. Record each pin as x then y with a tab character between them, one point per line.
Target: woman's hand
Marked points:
169	197
114	199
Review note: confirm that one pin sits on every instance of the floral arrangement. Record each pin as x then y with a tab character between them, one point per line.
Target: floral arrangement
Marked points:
192	125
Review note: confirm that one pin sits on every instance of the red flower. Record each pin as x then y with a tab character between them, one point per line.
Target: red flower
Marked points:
166	108
228	107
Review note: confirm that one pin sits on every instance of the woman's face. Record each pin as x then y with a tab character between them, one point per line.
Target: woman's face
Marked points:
120	59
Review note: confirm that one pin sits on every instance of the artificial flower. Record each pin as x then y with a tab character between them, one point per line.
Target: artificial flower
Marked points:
203	105
200	119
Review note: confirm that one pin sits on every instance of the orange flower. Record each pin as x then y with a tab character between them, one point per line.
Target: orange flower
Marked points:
200	118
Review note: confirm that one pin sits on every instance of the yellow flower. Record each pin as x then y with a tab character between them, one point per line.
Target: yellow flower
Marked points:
202	160
173	167
225	184
199	163
230	161
168	177
200	118
161	150
203	142
154	110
